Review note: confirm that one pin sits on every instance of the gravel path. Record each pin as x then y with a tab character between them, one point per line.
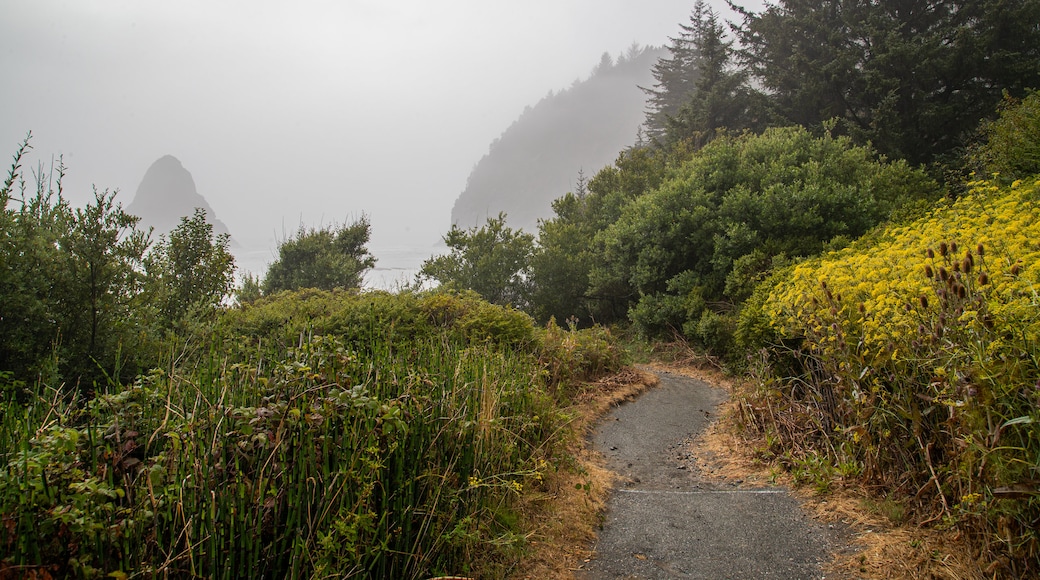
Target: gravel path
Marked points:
667	520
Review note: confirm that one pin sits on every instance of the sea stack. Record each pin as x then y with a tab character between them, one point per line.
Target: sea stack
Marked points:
166	194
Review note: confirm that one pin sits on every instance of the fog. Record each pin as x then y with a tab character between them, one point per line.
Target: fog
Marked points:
307	111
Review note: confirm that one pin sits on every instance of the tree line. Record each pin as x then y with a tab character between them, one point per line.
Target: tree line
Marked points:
809	125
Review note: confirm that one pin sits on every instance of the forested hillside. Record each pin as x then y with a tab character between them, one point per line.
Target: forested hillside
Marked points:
542	154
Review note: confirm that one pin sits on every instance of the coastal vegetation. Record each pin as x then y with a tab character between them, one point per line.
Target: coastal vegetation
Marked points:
852	231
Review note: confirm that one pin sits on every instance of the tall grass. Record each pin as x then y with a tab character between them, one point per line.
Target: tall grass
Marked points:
317	435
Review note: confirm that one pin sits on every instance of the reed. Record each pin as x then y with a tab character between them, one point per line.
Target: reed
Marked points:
317	435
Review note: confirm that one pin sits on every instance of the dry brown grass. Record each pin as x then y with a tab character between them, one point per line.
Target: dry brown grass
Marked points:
563	512
877	547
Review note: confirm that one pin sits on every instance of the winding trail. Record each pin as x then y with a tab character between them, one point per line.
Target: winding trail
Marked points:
668	520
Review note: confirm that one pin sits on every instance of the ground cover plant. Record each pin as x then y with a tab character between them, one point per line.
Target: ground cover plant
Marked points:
309	434
911	361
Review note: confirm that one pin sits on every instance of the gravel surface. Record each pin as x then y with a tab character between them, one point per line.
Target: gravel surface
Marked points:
666	519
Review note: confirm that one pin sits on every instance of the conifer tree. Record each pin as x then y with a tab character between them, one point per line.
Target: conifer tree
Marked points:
912	77
675	77
719	99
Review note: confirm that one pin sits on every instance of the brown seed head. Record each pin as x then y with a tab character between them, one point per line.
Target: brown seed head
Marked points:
943	274
983	279
924	302
930	254
928	271
953	247
966	266
944	249
981	250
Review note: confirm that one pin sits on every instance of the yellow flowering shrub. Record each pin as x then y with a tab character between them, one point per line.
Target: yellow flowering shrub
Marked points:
912	359
888	275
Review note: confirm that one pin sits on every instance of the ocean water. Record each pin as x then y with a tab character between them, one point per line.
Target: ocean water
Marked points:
395	266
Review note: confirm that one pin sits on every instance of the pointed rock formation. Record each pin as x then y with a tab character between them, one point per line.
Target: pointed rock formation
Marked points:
166	194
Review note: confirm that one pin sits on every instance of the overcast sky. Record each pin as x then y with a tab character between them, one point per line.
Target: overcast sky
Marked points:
306	110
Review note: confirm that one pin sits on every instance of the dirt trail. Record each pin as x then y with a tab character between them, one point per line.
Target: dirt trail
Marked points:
666	519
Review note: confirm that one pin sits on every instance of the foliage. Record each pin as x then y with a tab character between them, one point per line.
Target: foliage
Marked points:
374	317
699	91
192	271
249	290
570	356
912	78
912	359
564	257
561	262
318	433
104	255
732	211
492	261
1012	142
71	282
325	258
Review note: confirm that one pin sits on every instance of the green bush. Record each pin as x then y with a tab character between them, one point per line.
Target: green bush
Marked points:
1012	142
694	247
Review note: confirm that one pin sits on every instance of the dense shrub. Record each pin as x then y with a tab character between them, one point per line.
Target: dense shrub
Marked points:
734	210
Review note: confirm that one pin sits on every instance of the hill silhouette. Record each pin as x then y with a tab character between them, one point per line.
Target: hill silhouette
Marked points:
538	158
166	194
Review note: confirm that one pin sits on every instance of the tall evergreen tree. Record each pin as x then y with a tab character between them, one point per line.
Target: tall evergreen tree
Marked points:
675	76
720	99
912	77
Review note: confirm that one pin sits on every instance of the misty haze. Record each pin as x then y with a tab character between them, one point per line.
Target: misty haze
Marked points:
311	113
